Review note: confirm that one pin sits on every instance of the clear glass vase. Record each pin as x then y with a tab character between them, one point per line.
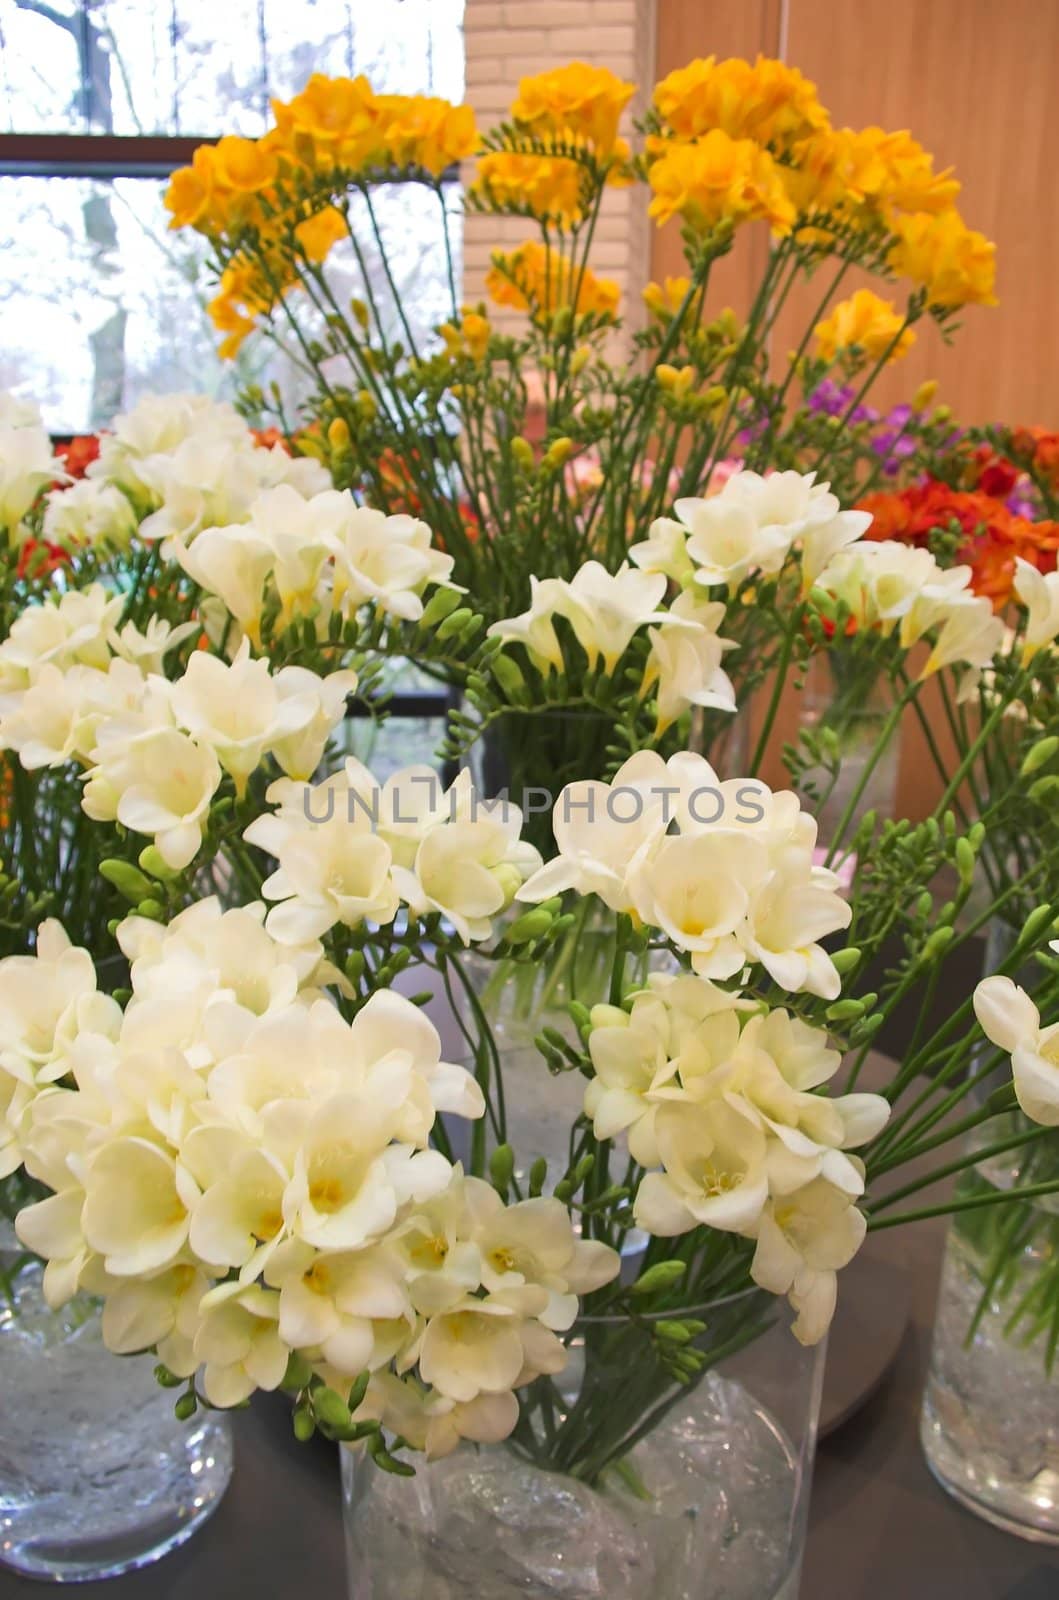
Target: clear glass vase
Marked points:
520	999
845	706
617	1482
97	1477
990	1419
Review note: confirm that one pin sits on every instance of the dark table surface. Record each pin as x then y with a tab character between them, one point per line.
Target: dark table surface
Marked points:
880	1528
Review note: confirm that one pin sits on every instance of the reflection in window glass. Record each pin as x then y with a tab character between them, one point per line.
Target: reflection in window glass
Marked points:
100	303
203	67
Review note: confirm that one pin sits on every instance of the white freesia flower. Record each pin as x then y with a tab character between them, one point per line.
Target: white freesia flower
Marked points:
802	1241
1012	1022
600	831
535	628
822	541
238	1344
27	465
606	609
664	550
300	752
685	660
726	543
148	648
89	513
156	426
234	564
1039	593
388	560
431	1422
73	631
714	1171
155	781
332	867
298	534
469	869
236	710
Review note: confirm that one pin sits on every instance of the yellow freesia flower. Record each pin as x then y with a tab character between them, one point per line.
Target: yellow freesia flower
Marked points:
191	190
549	186
335	111
867	321
317	234
664	300
718	179
767	101
954	263
420	130
242	165
577	103
537	279
869	172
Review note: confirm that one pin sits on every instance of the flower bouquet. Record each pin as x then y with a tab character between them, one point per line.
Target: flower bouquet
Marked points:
545	441
260	1163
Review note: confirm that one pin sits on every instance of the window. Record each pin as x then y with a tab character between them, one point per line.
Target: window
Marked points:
99	301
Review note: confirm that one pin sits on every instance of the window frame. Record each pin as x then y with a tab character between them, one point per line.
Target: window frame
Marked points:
108	156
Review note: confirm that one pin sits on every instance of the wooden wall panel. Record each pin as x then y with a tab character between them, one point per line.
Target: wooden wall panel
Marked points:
977	81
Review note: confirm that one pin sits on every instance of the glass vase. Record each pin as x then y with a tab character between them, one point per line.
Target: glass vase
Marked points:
990	1419
520	999
97	1477
617	1482
845	706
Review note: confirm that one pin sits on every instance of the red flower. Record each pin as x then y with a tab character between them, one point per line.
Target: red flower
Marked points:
992	535
37	558
79	453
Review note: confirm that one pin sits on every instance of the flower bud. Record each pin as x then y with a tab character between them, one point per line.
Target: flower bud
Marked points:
338	434
510	880
924	394
508	675
330	1408
441	602
454	623
367	405
1038	755
522	451
127	879
580	359
844	961
152	861
502	1167
531	925
359	310
537	1174
558	452
185	1407
659	1277
298	1374
303	1424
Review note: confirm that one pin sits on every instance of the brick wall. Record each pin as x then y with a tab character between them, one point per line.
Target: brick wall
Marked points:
509	39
